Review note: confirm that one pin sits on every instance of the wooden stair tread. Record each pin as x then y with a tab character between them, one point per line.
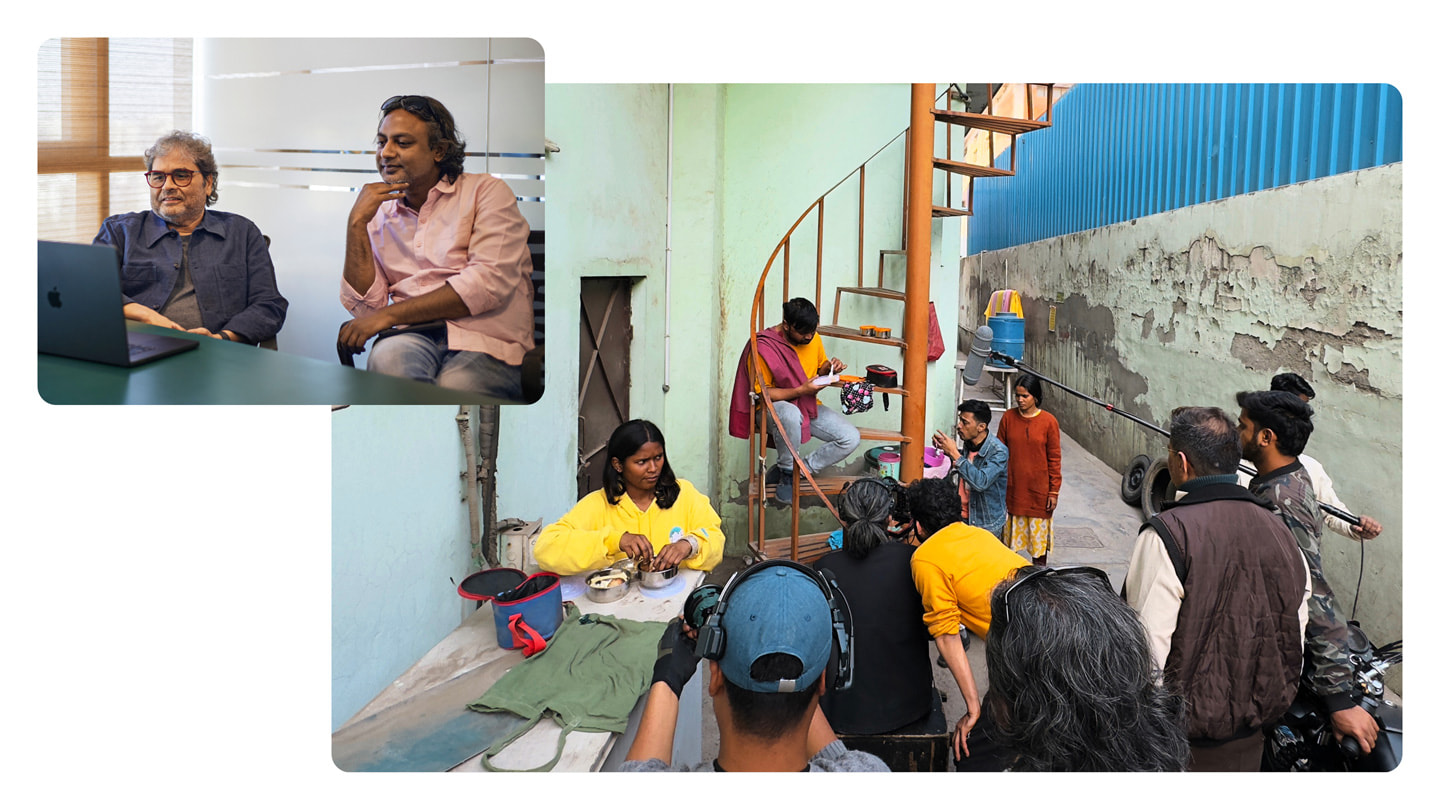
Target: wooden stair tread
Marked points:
878	292
887	436
991	123
812	547
942	211
829	484
847	333
971	169
892	253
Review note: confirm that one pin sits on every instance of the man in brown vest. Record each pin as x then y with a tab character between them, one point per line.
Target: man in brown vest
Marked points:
1221	588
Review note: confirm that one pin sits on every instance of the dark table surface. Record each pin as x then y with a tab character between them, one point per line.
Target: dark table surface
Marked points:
223	373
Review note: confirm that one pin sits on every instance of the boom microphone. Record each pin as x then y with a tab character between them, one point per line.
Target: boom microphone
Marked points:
979	355
1244	467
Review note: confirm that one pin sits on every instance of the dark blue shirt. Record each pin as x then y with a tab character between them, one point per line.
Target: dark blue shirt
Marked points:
229	265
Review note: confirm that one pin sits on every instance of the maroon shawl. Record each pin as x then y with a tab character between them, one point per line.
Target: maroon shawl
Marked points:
778	355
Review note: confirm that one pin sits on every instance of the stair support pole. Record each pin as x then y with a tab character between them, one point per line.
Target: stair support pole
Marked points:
917	279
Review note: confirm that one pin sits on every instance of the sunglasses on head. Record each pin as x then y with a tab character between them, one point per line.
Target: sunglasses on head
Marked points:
418	105
1046	572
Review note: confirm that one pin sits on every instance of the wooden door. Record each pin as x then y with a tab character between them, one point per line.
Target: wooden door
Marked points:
605	336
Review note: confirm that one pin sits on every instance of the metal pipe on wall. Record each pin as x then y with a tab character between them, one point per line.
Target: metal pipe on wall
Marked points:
669	208
479	437
463	421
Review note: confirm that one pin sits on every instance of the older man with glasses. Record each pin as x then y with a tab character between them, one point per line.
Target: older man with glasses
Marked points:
442	252
187	267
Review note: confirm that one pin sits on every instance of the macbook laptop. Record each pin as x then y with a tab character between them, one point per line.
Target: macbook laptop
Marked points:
80	309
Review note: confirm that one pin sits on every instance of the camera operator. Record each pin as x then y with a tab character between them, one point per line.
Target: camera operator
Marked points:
765	684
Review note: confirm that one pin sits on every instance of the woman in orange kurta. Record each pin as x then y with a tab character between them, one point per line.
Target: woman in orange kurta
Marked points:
1033	438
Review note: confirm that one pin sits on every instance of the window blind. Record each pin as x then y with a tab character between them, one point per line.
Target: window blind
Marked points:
101	103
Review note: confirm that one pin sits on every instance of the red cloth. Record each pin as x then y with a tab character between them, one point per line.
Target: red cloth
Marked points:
935	340
1034	471
776	353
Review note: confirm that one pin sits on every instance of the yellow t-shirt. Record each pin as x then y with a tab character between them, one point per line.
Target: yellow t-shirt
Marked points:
955	570
812	357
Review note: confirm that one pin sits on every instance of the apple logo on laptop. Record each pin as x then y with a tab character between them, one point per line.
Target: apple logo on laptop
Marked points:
54	297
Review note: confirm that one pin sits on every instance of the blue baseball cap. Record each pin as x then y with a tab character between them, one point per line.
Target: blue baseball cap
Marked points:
776	610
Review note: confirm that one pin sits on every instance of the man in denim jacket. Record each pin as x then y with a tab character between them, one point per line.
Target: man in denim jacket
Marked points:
981	469
188	268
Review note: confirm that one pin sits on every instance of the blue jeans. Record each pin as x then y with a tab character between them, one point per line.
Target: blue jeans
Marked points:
840	437
427	358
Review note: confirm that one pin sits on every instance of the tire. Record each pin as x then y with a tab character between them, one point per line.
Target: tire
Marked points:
1133	478
1155	489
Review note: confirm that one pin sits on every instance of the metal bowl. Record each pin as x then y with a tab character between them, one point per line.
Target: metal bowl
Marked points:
615	591
655	580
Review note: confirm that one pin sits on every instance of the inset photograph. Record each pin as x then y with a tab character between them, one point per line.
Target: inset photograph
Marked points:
291	221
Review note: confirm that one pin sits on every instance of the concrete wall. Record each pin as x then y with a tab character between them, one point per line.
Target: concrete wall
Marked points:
1190	306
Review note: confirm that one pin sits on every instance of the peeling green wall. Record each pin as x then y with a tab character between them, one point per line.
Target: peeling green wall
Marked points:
1190	306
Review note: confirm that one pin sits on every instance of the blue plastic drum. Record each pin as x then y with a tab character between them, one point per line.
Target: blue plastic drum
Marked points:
1009	337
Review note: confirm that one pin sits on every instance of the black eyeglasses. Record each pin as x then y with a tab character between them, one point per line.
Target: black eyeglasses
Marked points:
182	178
419	105
1045	572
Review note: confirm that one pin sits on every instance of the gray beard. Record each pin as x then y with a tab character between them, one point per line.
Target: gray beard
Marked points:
181	218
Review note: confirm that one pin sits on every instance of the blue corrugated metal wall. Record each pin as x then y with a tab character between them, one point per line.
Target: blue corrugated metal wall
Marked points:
1122	151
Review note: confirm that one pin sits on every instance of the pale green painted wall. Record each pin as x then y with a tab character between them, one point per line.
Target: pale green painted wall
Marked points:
785	145
399	532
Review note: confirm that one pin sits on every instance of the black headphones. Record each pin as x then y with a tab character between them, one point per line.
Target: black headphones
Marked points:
840	671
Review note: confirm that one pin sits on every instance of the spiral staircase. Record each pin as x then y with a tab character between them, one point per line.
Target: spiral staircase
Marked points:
919	195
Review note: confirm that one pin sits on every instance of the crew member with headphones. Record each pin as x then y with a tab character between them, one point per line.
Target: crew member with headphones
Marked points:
778	636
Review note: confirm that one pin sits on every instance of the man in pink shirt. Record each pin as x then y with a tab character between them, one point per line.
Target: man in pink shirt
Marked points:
431	242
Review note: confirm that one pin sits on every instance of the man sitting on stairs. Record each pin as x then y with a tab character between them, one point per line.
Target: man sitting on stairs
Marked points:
791	357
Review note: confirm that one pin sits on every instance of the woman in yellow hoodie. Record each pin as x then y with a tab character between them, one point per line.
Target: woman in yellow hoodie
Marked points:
642	511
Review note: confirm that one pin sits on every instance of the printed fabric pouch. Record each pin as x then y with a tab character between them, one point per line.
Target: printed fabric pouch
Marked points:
527	615
857	396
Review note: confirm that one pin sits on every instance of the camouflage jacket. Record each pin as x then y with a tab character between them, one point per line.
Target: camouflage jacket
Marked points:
1328	671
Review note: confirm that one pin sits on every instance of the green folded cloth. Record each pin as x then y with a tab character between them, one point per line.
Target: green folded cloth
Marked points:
588	677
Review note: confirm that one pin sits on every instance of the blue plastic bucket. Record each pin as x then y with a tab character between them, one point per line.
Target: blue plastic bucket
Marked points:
542	611
1009	336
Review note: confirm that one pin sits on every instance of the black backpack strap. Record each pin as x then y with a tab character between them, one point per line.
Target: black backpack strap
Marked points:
1177	557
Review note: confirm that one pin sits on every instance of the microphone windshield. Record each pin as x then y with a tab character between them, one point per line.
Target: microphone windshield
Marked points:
979	355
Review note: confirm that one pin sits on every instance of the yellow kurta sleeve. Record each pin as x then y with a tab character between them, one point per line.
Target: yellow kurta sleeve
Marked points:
699	519
585	539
